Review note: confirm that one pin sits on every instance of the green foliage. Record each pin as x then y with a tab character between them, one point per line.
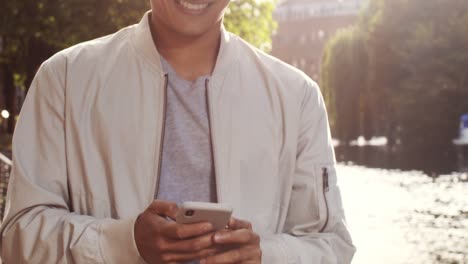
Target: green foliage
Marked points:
37	29
426	83
32	31
252	20
343	80
416	79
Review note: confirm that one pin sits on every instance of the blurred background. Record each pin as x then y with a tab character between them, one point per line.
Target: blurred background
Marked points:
394	75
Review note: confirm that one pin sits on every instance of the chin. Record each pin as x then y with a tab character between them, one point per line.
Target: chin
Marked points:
190	22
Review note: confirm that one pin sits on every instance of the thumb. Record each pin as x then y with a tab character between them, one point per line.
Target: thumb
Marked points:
164	208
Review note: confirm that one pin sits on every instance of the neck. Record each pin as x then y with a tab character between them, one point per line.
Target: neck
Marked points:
190	56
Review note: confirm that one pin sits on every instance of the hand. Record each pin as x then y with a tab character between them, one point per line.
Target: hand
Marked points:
243	245
160	240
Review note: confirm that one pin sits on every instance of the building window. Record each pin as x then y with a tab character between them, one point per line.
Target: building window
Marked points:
321	34
303	39
313	37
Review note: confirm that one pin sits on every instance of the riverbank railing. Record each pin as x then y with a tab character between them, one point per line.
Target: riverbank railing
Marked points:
5	169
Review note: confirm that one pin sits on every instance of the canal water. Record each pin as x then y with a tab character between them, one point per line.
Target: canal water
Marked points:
403	217
432	162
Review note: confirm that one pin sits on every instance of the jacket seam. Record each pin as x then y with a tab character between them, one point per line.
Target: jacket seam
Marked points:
139	54
100	251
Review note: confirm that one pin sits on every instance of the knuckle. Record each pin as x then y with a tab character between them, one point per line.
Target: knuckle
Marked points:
203	254
172	207
196	245
255	238
161	245
154	205
258	252
166	258
237	255
179	233
245	237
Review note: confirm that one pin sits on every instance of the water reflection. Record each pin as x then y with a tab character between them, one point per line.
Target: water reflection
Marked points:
402	217
433	162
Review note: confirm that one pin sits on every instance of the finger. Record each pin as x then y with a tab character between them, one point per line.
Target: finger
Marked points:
191	245
234	256
185	231
164	208
256	261
178	257
235	224
240	236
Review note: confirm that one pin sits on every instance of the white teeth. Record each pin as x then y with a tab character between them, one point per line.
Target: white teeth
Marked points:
192	6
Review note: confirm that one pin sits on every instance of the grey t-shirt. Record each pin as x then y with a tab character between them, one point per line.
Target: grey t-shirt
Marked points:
187	167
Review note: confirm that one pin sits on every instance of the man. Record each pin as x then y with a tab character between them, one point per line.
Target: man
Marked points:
174	108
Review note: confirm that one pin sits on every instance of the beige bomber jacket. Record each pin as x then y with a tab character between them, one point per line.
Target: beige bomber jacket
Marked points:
87	148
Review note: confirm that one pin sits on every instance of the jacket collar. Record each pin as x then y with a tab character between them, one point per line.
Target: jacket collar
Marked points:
144	45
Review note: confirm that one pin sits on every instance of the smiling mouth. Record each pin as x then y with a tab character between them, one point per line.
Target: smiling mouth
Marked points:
193	7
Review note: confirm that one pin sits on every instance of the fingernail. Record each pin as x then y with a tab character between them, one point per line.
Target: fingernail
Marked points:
208	227
218	237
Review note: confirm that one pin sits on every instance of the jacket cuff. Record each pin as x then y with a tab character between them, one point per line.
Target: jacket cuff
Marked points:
117	242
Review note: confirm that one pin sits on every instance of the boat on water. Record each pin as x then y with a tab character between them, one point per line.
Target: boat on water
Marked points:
463	138
461	144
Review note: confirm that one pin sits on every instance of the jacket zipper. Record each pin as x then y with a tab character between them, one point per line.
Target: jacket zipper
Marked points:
325	189
161	143
210	125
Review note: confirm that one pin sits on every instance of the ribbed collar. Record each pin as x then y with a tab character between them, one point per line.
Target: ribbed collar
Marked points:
144	46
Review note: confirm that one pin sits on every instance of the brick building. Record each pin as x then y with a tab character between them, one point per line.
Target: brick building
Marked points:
304	26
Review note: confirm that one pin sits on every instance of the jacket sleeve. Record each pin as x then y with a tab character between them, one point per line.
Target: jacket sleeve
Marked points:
312	233
40	225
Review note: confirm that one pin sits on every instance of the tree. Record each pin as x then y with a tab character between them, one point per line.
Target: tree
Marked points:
31	31
415	84
343	80
252	20
431	93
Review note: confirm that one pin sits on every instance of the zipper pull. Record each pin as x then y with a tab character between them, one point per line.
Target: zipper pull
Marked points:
326	188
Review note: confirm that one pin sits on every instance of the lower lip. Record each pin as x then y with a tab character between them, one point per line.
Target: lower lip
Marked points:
191	11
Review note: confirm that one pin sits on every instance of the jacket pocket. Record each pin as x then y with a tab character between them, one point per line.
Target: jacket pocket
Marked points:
308	210
323	176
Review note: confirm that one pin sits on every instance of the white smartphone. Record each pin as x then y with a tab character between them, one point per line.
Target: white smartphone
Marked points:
195	212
